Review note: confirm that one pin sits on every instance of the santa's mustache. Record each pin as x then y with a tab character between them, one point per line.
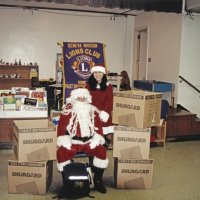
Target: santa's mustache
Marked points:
81	108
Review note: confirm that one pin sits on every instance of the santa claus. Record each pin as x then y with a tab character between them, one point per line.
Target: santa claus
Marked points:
80	130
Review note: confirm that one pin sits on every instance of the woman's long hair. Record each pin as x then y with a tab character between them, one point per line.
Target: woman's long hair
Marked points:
93	82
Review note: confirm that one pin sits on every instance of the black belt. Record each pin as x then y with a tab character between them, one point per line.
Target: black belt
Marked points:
83	139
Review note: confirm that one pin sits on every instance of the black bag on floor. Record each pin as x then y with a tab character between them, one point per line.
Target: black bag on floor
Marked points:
77	180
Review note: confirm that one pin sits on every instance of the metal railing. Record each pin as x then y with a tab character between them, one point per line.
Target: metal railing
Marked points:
190	84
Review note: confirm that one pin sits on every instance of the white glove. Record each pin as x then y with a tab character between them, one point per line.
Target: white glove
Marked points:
64	141
103	116
94	143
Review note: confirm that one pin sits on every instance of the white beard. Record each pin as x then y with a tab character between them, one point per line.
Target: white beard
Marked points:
82	110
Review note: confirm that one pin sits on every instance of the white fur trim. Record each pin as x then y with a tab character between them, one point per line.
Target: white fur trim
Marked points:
80	142
100	163
64	140
108	83
103	116
61	165
108	129
98	69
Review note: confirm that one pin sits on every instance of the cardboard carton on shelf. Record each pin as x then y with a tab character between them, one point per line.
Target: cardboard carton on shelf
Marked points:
34	140
137	108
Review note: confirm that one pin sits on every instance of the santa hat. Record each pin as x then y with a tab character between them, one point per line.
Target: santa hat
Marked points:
98	68
80	92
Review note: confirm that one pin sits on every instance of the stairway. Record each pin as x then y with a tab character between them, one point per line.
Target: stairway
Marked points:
182	124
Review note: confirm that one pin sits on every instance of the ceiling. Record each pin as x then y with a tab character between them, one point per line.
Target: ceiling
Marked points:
115	7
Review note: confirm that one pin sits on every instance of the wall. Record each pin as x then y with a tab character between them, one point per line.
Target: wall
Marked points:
172	43
164	40
189	64
33	36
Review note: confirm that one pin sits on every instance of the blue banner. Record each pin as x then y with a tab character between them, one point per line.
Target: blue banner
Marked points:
79	58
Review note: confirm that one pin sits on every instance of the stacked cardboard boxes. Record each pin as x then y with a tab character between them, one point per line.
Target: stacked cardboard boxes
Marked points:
134	112
137	108
31	168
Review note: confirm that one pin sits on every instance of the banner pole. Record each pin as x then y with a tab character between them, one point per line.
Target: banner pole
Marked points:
63	77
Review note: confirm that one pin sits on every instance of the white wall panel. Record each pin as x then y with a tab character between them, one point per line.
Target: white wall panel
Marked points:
33	36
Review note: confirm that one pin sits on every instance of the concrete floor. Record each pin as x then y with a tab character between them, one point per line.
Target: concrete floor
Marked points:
176	176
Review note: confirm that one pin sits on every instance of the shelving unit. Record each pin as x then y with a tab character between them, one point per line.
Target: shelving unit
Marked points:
16	75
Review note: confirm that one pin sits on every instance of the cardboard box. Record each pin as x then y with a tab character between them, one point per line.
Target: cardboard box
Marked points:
29	177
131	142
133	173
34	140
137	108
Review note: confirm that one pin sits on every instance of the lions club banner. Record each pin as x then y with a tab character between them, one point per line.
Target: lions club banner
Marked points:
79	58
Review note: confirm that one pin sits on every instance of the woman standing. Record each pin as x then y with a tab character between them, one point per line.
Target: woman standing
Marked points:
125	81
102	97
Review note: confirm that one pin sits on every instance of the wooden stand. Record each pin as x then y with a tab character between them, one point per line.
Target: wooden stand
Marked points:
182	124
158	133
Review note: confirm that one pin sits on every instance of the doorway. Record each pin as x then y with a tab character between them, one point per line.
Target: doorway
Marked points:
141	54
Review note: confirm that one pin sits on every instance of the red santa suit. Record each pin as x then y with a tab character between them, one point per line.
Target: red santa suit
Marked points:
80	130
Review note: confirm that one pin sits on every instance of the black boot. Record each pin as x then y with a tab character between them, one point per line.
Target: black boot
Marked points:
61	192
98	185
91	158
63	177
